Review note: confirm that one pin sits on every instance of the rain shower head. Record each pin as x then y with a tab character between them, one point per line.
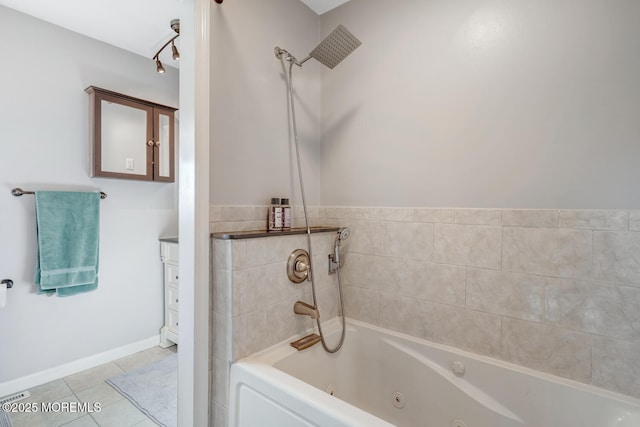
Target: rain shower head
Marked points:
330	52
335	47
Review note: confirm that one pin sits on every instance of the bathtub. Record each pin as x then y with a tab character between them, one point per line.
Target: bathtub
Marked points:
383	378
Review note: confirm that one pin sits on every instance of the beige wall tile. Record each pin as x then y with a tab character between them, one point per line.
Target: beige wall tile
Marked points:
322	245
469	245
634	221
367	271
594	220
222	282
615	365
616	257
266	250
227	226
406	239
362	304
594	307
467	329
511	294
313	212
219	414
238	253
371	214
478	216
220	380
258	287
530	218
215	213
313	222
284	323
431	281
221	332
546	348
326	289
434	215
406	315
250	334
561	252
365	237
222	254
398	214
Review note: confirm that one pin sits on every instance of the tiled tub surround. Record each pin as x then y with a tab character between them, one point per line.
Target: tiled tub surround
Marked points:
553	290
253	299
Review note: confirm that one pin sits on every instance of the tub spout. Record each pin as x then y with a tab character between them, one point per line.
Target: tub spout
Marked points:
305	309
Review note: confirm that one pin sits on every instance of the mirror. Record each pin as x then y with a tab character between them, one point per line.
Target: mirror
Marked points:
165	160
122	129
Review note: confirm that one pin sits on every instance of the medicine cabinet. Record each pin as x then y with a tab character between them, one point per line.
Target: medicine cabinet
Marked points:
130	138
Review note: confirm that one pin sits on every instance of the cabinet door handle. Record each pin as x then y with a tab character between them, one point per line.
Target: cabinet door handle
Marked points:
157	143
150	143
176	277
176	300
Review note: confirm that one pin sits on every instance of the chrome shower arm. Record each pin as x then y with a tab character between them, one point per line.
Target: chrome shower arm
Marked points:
299	64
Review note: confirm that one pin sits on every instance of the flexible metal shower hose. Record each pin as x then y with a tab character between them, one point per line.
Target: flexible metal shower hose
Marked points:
306	220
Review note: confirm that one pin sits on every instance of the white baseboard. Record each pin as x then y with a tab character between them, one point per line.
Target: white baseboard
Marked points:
42	377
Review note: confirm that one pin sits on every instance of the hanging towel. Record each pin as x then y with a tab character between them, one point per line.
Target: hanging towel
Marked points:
68	226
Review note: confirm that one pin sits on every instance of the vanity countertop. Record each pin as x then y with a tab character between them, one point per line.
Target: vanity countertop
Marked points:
169	239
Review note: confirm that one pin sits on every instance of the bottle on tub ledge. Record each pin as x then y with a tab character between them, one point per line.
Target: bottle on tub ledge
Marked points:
286	214
276	216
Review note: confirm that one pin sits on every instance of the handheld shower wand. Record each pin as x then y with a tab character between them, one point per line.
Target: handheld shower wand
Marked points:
334	259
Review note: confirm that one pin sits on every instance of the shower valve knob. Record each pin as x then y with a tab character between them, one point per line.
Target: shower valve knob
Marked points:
298	266
301	266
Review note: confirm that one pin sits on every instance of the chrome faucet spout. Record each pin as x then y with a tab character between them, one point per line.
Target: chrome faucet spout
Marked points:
306	310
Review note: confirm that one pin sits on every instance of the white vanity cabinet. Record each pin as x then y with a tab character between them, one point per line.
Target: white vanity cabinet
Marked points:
169	257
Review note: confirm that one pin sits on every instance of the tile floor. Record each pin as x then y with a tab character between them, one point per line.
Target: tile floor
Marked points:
90	386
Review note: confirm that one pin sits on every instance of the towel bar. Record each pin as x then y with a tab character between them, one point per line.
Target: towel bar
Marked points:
19	192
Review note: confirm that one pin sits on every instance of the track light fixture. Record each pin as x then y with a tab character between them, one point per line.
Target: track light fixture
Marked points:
175	26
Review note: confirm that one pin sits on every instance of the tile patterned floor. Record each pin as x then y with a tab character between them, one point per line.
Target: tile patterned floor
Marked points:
90	386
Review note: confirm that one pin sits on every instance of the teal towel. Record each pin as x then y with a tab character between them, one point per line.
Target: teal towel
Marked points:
68	240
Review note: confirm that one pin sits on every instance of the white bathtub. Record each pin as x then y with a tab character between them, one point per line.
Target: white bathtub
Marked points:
382	378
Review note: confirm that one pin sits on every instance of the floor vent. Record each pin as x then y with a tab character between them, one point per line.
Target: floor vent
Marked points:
15	397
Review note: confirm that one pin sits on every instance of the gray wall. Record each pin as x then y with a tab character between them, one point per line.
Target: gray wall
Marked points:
251	155
489	103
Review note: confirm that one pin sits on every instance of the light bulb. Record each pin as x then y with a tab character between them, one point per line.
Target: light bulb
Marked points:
174	49
159	67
